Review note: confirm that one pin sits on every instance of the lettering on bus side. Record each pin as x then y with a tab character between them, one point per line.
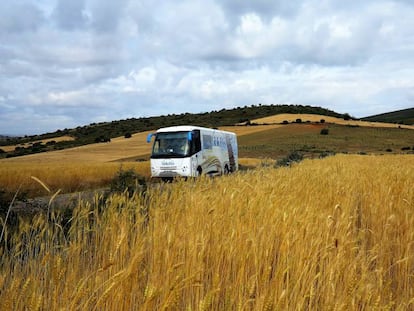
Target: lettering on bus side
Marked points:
219	141
214	141
207	142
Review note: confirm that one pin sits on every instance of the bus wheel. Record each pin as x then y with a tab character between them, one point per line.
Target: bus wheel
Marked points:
226	170
199	171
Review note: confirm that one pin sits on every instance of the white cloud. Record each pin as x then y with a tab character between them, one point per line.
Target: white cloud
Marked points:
70	15
87	60
20	17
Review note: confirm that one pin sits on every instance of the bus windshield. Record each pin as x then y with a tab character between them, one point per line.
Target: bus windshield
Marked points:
171	145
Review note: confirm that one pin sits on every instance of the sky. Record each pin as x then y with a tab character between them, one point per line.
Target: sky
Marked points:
69	63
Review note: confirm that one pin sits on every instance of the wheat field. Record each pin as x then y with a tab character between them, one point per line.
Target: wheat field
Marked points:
62	176
73	176
331	234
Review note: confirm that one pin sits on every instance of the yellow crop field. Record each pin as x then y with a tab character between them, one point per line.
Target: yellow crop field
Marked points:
330	234
279	118
73	176
63	176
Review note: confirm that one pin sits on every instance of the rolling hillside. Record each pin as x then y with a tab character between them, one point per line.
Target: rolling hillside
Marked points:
259	141
306	138
98	142
293	118
119	149
104	132
405	116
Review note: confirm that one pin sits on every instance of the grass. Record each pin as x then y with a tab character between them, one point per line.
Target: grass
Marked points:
68	177
93	166
72	176
313	236
278	142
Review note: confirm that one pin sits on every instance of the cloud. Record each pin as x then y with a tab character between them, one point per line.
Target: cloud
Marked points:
70	15
86	60
106	15
20	17
266	9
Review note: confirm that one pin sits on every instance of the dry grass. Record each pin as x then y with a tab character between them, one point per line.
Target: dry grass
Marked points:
332	234
73	176
279	118
68	177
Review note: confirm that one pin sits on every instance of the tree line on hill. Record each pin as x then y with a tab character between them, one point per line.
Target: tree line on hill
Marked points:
104	131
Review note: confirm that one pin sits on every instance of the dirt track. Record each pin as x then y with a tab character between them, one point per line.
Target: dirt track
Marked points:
60	202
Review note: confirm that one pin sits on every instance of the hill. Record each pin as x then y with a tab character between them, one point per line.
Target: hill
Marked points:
104	132
259	141
306	139
405	116
286	118
117	131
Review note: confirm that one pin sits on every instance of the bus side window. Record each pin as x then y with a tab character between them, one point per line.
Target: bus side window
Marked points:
196	142
156	147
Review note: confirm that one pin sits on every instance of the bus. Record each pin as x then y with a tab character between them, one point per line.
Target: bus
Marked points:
191	151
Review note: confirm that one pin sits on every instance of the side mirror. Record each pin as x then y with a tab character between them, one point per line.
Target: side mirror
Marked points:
149	137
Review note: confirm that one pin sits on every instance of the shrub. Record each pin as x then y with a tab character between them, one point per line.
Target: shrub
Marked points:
2	151
285	122
298	120
324	131
102	139
326	153
388	150
37	147
405	148
128	180
128	135
322	121
293	157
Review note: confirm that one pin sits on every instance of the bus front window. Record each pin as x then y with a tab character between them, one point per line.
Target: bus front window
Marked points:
170	145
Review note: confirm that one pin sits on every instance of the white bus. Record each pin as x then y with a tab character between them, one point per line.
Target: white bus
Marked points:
190	151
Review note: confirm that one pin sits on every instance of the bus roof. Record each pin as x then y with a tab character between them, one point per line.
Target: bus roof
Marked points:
187	128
